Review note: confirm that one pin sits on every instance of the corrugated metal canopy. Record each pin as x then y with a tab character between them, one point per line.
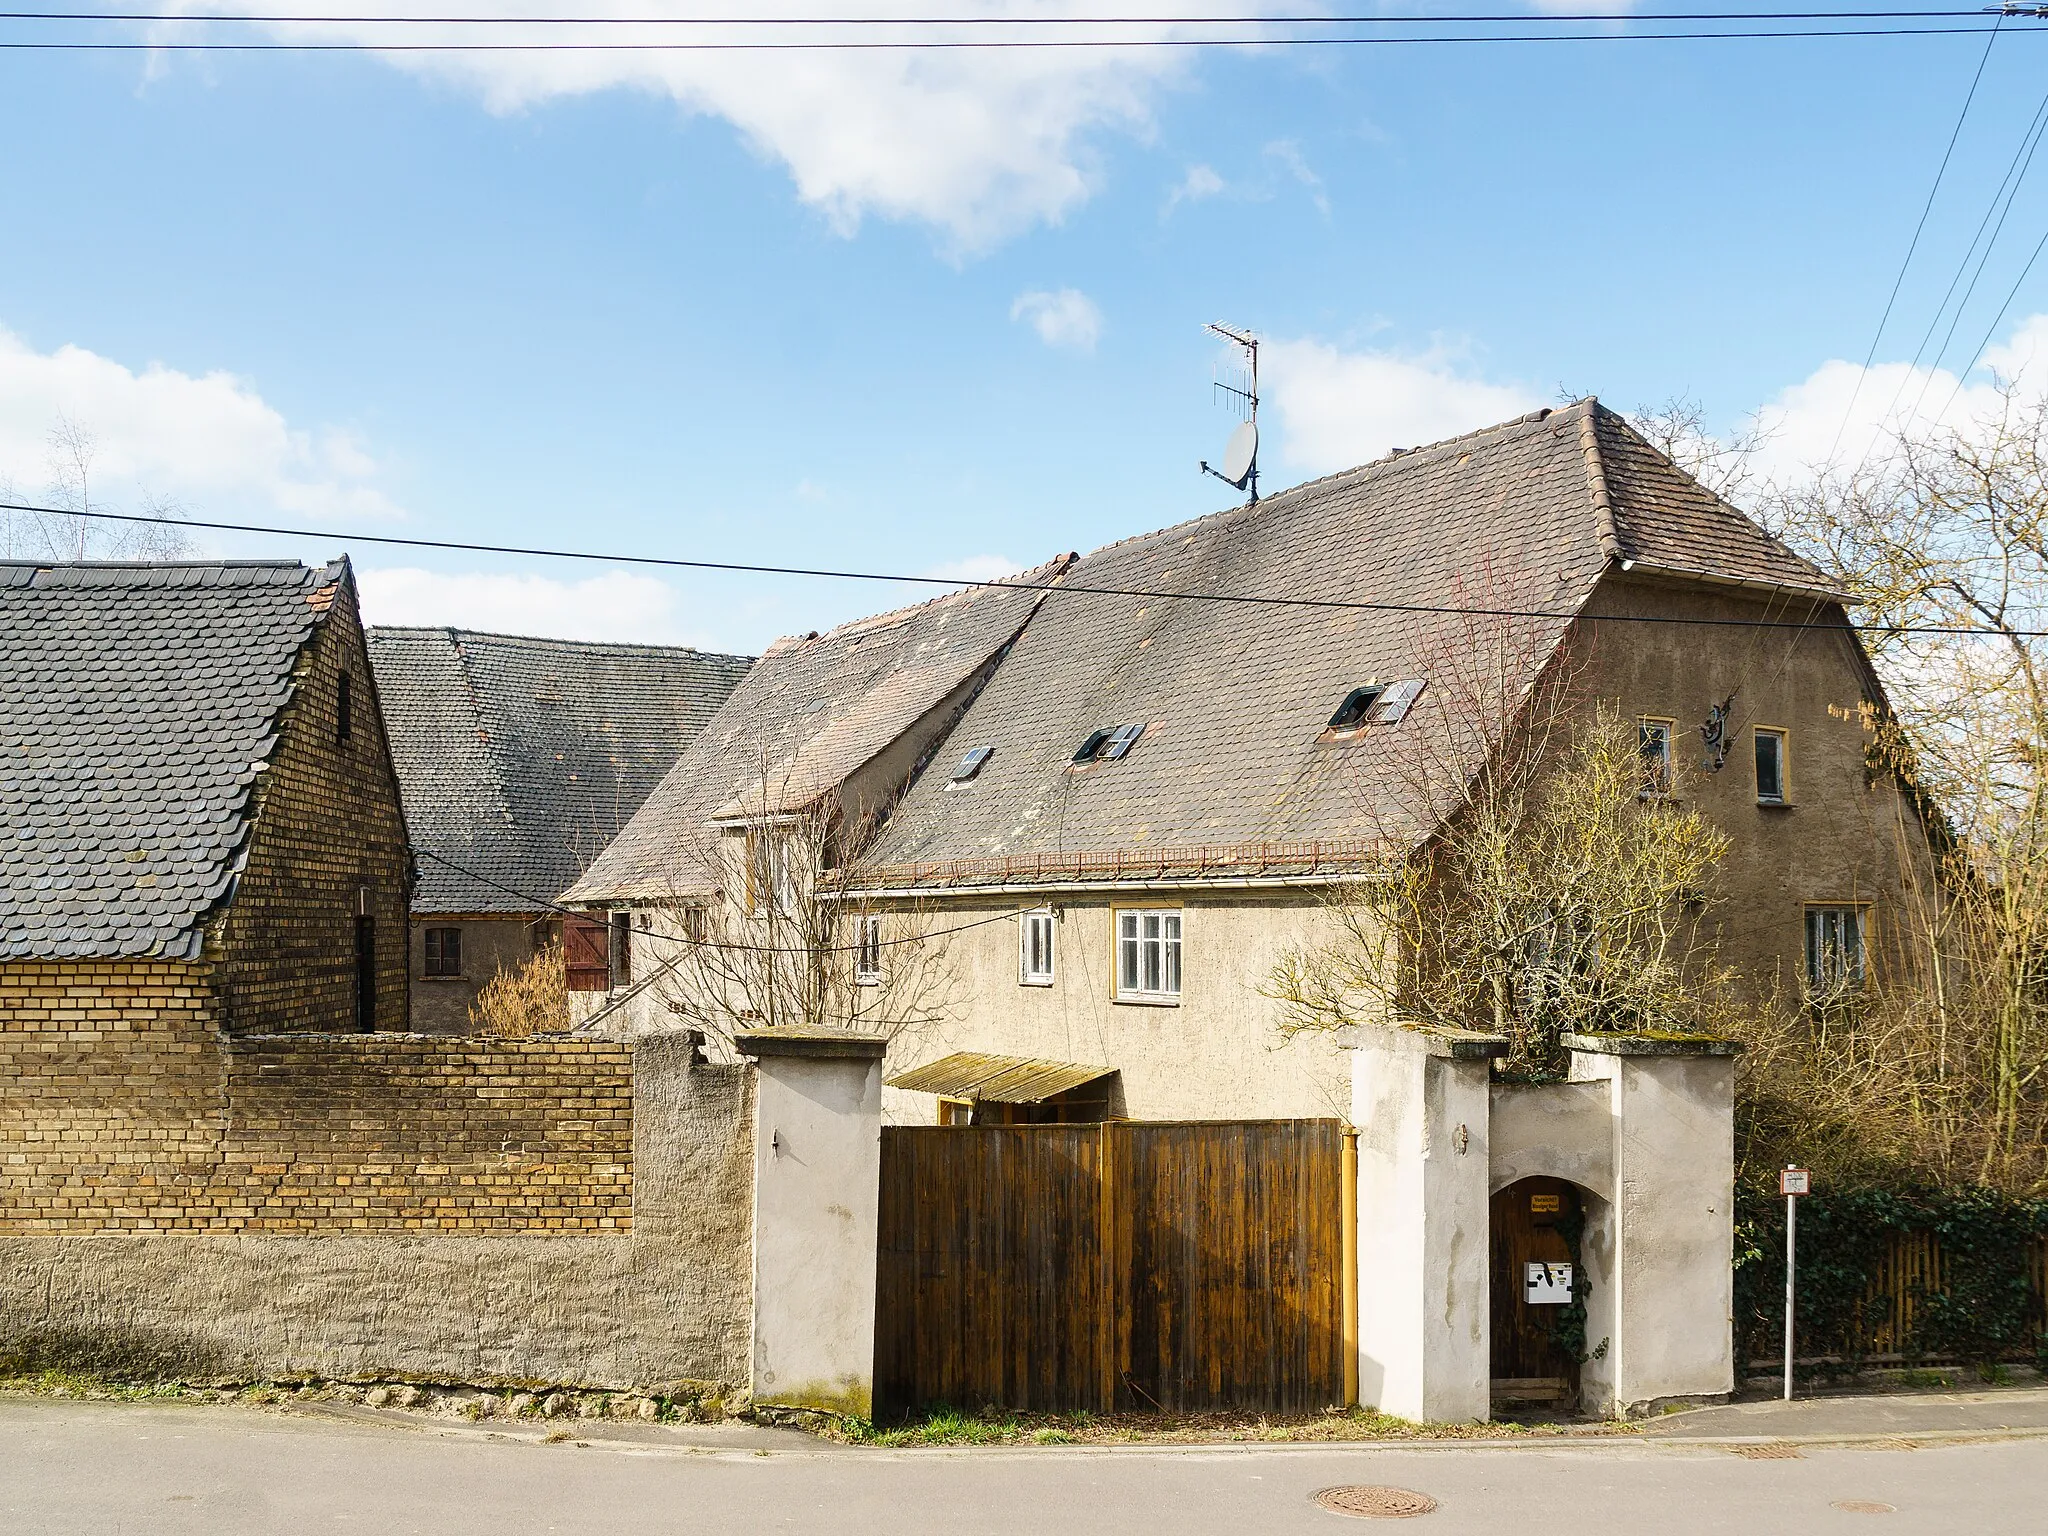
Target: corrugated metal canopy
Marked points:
998	1079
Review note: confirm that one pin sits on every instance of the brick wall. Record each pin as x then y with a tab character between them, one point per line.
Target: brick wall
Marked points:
329	840
123	1107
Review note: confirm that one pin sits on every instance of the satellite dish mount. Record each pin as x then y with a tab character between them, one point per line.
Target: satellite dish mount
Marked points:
1241	453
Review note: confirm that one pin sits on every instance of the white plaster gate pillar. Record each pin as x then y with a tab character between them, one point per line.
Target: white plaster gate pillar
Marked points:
817	1186
1419	1100
1671	1107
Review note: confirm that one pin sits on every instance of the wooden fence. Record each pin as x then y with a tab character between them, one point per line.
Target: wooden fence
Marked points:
1178	1267
1911	1269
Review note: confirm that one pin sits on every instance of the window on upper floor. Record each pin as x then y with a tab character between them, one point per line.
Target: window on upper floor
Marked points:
1653	741
1148	955
1770	766
444	952
344	709
1834	951
1034	948
867	951
621	955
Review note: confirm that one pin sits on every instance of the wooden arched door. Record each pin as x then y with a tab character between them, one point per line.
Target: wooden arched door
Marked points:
1536	1290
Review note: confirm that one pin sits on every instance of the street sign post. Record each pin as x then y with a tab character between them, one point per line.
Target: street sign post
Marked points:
1792	1183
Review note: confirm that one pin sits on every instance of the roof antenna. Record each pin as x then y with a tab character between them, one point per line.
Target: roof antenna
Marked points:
1241	453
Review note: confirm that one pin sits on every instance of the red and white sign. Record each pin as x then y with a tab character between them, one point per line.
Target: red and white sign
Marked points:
1795	1181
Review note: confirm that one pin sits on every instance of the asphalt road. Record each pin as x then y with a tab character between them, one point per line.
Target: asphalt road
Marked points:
112	1469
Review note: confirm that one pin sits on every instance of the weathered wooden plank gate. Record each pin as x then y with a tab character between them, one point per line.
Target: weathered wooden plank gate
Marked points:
1176	1266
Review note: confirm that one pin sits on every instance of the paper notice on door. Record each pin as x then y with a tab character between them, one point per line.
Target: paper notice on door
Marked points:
1546	1285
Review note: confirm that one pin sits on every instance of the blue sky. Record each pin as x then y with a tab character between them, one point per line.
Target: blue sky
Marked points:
944	314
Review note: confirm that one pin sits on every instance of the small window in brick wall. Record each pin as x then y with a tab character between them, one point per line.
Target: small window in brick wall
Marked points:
344	709
444	952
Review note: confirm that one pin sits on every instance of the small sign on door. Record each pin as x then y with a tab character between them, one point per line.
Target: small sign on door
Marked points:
1546	1285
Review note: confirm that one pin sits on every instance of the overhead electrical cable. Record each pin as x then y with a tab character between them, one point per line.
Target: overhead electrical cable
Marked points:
1913	245
1055	588
1548	18
672	938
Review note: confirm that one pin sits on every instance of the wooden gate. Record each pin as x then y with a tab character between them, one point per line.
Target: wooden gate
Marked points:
1173	1266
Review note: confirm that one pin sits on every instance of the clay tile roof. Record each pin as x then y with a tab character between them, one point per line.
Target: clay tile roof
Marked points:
139	705
1231	772
520	759
813	710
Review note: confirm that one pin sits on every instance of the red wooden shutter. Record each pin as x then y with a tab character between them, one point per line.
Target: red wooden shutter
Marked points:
586	944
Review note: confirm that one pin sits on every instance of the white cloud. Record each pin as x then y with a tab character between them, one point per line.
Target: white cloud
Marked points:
209	439
1339	408
1201	181
1287	154
981	143
976	568
1067	318
1844	410
617	605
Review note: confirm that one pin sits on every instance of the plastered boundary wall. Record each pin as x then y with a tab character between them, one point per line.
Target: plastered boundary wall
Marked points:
343	1279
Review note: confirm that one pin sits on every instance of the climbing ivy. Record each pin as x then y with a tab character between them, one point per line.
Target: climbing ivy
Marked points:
1988	1310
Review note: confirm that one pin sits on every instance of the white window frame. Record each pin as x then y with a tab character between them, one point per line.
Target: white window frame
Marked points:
1038	920
1845	977
867	951
1149	947
1783	738
1657	779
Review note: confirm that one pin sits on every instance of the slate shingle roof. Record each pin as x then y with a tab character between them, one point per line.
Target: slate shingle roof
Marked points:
813	710
138	707
1528	514
521	758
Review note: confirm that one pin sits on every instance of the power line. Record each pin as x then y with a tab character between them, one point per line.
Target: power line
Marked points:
941	45
1552	18
1052	588
1992	329
1914	244
545	904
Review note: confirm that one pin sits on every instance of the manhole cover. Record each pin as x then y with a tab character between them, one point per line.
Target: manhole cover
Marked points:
1374	1503
1866	1507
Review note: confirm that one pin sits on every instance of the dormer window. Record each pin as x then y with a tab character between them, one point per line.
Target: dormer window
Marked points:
970	765
1108	744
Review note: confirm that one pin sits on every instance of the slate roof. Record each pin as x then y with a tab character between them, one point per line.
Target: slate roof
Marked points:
1231	769
814	709
139	705
520	759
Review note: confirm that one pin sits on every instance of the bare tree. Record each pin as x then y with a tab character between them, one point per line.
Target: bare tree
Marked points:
59	524
1537	882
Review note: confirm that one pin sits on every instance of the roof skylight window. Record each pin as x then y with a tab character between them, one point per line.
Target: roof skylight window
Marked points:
1108	744
1357	705
970	765
1376	704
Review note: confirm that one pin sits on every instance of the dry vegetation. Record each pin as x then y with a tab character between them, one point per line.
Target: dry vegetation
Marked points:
525	1000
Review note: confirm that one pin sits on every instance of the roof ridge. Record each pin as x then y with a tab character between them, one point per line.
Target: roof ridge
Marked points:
456	631
1604	524
1021	581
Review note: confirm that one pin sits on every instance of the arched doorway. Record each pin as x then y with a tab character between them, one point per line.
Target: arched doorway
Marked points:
1538	1294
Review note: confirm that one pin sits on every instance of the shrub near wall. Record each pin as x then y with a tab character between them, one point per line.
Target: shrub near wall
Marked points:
1953	1275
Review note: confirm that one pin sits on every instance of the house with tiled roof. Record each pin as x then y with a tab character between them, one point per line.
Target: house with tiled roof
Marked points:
200	829
519	760
1195	733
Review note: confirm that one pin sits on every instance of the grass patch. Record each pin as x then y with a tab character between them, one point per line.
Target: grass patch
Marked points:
993	1426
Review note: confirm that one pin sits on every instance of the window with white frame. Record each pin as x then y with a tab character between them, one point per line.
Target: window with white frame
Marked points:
867	951
1148	955
1034	948
1653	741
1834	950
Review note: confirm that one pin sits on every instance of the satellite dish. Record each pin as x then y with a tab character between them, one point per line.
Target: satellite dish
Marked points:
1239	454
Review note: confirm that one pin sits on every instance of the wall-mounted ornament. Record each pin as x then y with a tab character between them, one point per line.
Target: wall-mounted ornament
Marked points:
1716	735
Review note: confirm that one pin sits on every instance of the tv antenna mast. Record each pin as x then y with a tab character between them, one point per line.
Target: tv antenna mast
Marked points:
1241	453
